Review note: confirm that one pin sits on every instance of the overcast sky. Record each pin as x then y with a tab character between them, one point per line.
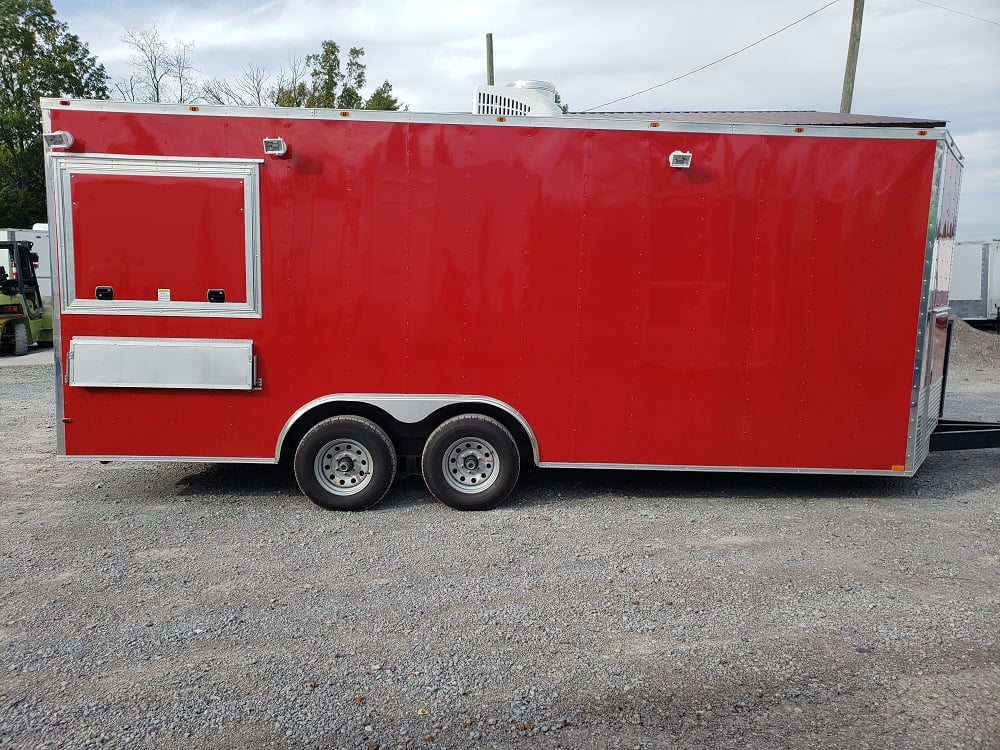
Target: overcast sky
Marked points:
916	59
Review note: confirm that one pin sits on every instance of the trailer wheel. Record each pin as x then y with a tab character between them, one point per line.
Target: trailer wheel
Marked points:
345	463
20	338
471	462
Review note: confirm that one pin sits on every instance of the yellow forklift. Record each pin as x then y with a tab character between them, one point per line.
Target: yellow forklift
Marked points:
24	318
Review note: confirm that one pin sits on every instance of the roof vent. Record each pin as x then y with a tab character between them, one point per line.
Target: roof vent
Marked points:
520	98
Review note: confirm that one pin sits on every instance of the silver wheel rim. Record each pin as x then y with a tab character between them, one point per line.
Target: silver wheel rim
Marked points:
470	465
343	467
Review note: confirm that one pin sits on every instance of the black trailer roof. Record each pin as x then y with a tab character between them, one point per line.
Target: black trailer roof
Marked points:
775	117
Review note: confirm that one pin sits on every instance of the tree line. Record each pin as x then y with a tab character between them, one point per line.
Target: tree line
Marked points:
39	57
164	71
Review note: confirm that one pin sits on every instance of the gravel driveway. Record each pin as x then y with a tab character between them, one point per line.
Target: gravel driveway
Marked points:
183	605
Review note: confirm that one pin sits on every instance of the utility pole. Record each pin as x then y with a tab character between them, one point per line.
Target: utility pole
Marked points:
852	57
489	59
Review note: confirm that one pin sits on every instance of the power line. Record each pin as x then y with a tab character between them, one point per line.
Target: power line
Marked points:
721	59
967	15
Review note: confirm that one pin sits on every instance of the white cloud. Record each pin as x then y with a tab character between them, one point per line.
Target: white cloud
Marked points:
980	185
915	59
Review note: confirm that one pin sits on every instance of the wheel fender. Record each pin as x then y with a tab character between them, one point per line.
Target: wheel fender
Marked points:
408	409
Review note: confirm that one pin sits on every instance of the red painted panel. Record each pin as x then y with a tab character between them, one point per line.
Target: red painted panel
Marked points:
759	309
139	234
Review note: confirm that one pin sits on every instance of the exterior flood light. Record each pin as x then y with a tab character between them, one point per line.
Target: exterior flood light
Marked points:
275	147
58	139
680	159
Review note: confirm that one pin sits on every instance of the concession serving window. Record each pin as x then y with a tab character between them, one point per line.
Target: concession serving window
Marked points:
158	236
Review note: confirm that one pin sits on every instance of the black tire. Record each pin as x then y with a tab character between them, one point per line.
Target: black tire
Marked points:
345	463
482	458
20	338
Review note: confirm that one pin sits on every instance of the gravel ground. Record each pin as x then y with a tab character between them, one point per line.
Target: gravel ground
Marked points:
176	606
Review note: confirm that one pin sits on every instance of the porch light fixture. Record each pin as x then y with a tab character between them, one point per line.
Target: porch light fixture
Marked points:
275	147
680	159
58	139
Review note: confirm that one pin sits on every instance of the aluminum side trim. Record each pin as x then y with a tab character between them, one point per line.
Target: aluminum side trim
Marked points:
141	162
729	469
545	465
953	147
51	196
173	459
918	436
163	309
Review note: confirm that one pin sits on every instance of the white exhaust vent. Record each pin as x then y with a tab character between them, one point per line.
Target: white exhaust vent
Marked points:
518	99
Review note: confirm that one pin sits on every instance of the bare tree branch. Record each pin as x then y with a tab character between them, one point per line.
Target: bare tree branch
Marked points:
252	81
180	66
128	88
219	91
150	58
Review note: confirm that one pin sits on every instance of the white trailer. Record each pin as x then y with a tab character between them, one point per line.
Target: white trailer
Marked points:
975	283
39	238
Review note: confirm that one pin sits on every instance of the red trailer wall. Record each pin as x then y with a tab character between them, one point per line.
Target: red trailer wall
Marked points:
756	310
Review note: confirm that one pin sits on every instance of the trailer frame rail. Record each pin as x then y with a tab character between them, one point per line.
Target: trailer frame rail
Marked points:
961	435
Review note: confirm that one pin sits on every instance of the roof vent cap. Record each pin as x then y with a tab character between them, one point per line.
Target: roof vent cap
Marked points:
520	98
543	87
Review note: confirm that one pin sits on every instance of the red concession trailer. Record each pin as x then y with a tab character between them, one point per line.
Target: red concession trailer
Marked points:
356	290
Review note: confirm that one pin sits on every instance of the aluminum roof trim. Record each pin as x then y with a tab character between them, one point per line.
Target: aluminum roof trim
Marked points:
749	123
769	117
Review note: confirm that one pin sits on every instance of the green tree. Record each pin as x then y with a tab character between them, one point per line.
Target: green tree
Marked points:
325	74
354	80
38	57
382	98
291	89
328	84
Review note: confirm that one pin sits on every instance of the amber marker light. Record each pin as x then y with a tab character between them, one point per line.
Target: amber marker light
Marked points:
898	469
